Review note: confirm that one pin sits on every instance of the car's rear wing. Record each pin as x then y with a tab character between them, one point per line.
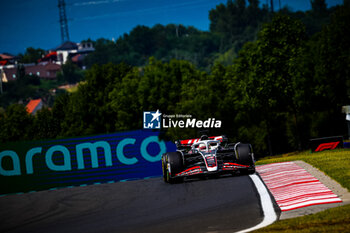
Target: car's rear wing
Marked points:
189	142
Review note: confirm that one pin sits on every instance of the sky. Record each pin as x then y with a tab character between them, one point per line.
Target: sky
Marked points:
35	23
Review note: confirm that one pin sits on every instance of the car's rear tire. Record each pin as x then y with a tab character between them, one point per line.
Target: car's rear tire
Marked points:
172	163
244	155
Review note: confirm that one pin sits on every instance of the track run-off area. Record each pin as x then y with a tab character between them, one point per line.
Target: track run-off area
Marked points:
239	203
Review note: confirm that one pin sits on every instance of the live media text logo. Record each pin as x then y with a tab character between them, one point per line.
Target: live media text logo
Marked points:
152	120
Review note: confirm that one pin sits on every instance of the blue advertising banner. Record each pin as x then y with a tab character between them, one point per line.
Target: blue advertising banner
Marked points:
40	165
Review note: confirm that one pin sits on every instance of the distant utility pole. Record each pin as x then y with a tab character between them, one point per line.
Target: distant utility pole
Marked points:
63	21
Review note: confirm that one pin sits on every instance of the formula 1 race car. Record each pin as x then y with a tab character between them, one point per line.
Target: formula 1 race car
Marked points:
207	156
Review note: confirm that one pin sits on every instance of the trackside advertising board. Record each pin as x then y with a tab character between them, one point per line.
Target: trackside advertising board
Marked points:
40	165
327	143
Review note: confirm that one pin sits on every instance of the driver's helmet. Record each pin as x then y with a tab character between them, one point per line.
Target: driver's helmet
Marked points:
212	145
202	147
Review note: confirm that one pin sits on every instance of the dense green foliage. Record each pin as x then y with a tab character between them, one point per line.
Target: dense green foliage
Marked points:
28	87
25	87
281	90
231	26
70	73
15	123
236	22
162	42
32	55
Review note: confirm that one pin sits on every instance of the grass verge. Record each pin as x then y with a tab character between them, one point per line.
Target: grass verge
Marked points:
49	84
336	164
331	220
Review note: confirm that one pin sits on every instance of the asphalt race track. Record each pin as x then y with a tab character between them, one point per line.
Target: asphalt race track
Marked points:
226	204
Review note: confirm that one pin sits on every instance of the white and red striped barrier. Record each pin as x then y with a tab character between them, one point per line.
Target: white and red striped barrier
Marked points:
293	187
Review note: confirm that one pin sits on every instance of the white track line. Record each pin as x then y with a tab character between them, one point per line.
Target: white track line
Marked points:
266	204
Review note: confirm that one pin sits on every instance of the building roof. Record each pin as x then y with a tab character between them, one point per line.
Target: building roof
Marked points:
3	62
43	70
5	59
31	106
52	67
68	45
78	58
5	56
49	56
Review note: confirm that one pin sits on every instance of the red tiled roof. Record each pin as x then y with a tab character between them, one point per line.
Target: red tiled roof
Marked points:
3	62
77	58
52	67
6	56
49	56
32	105
54	53
48	71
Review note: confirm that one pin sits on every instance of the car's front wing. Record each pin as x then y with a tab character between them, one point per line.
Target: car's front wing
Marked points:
201	170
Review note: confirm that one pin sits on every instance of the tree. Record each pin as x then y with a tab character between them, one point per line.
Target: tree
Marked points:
267	68
20	73
254	4
280	90
70	73
236	23
45	124
15	124
141	37
105	52
32	55
88	110
330	51
124	102
319	7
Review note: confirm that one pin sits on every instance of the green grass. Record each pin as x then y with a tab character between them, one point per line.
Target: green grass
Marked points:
74	88
331	220
49	84
336	164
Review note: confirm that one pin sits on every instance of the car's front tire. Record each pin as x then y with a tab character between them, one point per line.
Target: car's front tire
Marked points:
244	155
172	163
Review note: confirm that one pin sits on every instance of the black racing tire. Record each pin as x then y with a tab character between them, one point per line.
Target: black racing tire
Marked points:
245	156
164	167
175	161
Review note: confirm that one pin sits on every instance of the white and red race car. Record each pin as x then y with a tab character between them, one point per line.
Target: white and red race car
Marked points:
207	156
